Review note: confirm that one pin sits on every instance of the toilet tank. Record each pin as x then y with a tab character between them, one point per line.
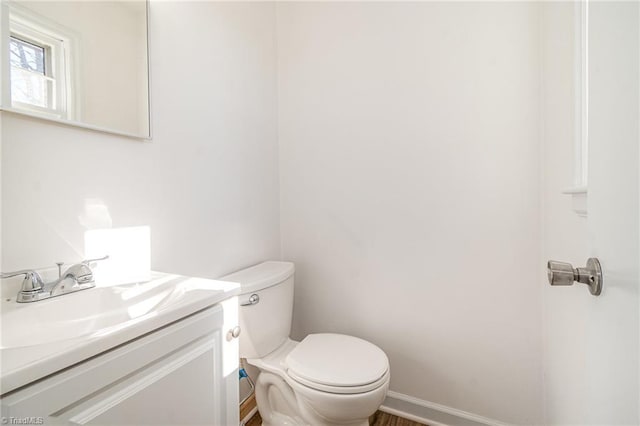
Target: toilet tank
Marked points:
265	324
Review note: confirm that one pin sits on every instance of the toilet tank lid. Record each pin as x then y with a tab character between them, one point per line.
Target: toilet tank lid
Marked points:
261	276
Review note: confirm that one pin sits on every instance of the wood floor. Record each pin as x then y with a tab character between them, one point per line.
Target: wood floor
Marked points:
256	420
378	419
385	419
247	406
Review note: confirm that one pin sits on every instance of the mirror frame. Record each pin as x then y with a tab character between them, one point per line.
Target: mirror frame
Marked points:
5	90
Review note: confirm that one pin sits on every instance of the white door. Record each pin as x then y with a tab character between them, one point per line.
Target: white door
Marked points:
592	358
612	363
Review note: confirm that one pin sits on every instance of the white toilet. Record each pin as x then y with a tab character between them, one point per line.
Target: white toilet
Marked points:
326	379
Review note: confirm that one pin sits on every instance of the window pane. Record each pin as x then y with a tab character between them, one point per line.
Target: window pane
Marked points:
26	55
29	88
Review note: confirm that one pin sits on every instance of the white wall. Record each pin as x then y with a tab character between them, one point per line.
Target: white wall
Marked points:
208	182
409	155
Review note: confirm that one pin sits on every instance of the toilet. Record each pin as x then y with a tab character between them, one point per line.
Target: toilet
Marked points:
325	379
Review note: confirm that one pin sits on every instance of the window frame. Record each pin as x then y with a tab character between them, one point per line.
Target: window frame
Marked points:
61	44
53	71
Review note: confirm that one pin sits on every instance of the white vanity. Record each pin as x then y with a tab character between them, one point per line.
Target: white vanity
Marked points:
160	352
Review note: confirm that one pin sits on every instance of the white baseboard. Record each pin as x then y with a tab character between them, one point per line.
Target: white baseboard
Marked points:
431	413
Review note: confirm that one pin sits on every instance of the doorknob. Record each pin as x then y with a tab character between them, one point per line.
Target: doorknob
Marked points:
562	273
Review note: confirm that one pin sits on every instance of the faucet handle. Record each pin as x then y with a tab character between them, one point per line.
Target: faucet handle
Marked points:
80	272
97	259
31	282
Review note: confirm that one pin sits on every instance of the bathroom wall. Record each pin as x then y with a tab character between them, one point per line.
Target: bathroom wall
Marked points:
208	182
410	191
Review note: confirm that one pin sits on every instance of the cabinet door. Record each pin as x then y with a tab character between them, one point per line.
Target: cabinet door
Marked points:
180	389
171	376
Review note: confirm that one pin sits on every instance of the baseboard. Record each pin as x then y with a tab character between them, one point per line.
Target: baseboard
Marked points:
431	413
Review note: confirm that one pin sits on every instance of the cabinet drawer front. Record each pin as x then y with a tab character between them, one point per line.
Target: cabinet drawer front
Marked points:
138	382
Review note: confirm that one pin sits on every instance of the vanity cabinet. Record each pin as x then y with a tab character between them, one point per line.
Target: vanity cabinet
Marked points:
175	375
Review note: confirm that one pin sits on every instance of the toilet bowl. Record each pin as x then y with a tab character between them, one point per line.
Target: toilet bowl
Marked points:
325	379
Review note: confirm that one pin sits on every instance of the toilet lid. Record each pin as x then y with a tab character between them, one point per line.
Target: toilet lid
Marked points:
337	360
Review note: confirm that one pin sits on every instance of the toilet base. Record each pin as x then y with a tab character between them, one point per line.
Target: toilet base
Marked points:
276	401
279	405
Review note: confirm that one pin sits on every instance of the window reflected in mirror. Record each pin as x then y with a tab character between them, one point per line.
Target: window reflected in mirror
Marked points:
83	63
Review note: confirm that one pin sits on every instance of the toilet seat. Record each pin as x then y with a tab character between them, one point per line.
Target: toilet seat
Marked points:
341	389
337	363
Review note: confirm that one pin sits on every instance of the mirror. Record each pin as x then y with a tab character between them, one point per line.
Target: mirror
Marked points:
83	63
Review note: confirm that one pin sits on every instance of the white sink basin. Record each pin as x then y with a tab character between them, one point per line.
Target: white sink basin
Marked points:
45	321
42	337
85	313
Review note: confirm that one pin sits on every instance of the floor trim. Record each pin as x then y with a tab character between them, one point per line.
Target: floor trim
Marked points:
431	413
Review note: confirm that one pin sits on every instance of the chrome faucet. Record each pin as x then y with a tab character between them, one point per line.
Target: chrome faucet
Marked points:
77	277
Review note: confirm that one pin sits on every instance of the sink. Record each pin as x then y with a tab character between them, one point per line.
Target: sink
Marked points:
42	337
86	313
44	322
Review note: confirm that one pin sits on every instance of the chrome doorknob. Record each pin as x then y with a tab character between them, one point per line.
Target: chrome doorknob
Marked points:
560	273
563	273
